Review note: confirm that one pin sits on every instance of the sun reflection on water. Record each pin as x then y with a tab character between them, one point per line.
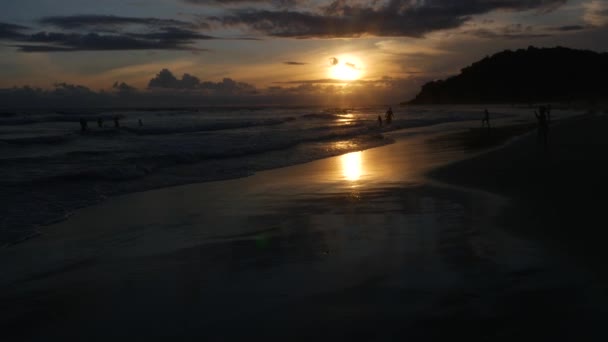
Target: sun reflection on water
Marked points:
352	166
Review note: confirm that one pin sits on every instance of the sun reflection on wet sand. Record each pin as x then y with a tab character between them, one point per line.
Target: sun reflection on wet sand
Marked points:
352	166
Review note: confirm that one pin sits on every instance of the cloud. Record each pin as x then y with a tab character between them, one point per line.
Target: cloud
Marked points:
56	42
274	3
191	92
110	21
294	63
166	80
104	32
509	32
11	31
229	86
596	13
570	28
408	48
351	65
122	87
344	18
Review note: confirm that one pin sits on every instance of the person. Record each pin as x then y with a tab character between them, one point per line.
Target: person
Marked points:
541	117
141	123
486	119
379	121
83	125
100	122
116	121
389	115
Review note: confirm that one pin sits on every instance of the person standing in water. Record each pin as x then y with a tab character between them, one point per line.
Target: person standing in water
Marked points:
543	125
486	119
379	121
83	125
389	115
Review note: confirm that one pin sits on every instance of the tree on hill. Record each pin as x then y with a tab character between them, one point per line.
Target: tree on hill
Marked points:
526	75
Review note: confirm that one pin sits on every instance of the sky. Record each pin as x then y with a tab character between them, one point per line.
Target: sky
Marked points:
342	52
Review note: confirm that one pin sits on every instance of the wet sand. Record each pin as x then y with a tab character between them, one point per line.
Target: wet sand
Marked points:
359	247
558	194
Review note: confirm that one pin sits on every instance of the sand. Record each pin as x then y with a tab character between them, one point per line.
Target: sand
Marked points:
558	194
359	247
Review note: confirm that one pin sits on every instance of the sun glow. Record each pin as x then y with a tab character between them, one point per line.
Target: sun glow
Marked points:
345	68
352	166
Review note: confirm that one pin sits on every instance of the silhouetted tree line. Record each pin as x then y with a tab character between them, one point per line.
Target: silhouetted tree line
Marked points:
527	75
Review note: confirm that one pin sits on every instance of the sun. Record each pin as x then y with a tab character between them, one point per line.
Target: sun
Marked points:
345	68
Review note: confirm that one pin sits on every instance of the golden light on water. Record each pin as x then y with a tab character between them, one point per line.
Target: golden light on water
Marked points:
352	166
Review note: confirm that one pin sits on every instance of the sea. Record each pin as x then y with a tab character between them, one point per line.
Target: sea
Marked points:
50	167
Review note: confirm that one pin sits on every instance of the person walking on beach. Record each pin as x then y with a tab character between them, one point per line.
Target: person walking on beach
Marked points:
100	122
379	121
543	127
486	119
389	115
116	121
83	125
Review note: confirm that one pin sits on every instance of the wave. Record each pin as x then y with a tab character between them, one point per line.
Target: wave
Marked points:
207	127
15	120
48	139
321	116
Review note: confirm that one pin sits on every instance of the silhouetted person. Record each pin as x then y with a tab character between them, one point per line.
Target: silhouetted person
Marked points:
543	125
486	119
116	122
100	122
141	123
83	125
379	121
389	115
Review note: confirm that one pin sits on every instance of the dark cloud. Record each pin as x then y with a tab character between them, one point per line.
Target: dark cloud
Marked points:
490	34
294	63
570	28
275	3
56	42
122	87
11	31
343	18
166	80
229	86
101	32
509	32
99	21
191	91
350	65
172	34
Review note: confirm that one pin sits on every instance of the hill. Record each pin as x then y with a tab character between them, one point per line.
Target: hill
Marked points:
527	75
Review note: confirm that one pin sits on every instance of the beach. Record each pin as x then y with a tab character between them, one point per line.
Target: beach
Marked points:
420	239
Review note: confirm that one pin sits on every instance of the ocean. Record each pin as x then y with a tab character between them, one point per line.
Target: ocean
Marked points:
49	167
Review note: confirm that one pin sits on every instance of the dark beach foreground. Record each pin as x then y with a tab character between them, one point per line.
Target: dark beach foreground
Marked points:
558	194
360	247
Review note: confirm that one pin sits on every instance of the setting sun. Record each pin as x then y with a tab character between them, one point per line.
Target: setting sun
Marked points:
345	68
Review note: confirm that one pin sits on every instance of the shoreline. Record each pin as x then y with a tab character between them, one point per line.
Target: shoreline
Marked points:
549	192
339	245
143	184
